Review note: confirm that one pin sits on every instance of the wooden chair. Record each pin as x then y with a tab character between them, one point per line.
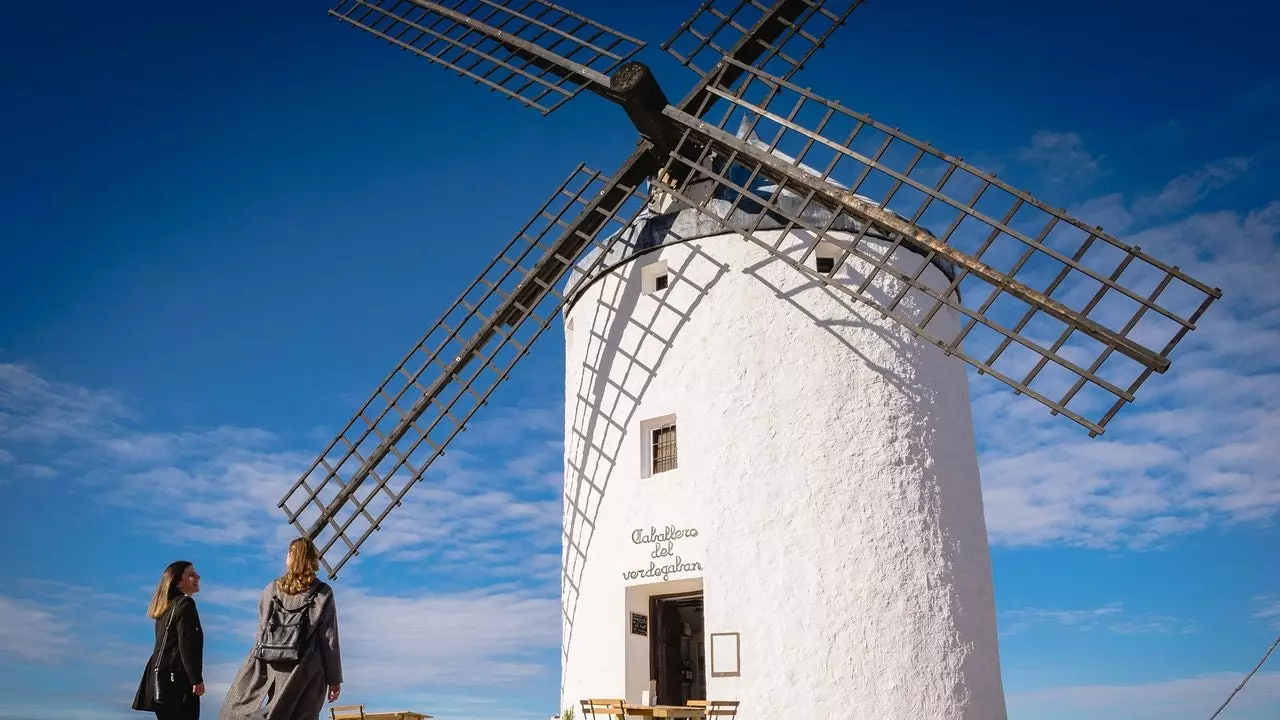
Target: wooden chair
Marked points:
716	708
346	712
607	707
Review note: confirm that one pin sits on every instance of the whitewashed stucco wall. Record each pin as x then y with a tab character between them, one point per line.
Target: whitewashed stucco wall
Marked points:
827	461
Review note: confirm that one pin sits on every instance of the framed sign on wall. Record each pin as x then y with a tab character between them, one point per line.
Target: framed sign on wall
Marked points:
725	655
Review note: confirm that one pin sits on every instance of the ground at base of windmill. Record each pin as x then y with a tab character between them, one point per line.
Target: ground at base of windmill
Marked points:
357	712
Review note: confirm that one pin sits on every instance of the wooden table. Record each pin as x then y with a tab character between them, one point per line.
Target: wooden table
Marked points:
666	711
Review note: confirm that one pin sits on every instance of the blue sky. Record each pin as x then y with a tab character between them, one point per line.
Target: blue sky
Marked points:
221	228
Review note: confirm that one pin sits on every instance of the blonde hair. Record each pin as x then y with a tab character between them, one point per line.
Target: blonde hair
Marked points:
300	566
167	589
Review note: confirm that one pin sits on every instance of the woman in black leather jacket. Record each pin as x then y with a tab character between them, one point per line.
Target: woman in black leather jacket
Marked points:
173	681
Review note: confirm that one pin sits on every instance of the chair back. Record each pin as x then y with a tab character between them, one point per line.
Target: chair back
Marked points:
721	708
604	707
346	712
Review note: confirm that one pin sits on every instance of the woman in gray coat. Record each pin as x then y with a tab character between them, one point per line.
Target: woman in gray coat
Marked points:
295	687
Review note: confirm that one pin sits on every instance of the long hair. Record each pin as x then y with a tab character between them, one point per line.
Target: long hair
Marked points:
300	566
167	589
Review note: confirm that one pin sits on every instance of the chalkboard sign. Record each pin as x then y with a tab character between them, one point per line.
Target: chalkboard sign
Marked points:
639	624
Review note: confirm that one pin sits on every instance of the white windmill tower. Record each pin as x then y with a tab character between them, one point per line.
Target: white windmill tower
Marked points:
771	492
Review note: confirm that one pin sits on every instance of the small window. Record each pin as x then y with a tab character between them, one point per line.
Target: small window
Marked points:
663	442
825	255
655	277
657	445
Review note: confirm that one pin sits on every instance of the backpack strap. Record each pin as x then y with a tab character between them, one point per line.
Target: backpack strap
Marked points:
307	600
164	637
312	592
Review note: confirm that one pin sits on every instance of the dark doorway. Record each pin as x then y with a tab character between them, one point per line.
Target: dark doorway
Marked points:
676	648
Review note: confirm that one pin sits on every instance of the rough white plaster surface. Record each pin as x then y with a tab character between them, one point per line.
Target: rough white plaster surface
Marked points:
827	462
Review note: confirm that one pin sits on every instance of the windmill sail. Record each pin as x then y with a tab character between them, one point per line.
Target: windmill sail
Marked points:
450	373
536	53
540	55
1057	310
792	32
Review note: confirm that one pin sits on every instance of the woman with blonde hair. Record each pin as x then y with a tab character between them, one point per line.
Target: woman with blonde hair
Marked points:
173	681
295	663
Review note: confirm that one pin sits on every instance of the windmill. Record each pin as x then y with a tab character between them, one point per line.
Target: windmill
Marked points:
826	245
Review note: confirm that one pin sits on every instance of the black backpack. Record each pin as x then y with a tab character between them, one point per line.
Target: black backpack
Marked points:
285	632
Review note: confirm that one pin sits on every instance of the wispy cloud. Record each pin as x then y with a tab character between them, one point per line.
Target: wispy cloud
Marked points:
1269	611
1184	191
489	504
1111	212
488	515
393	644
1190	698
1110	618
39	411
47	622
1062	157
77	709
485	637
1115	214
1193	452
29	632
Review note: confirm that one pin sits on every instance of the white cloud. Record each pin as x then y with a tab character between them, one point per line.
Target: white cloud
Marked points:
393	645
1116	215
486	510
30	632
84	710
1195	449
1192	698
1185	191
1110	212
1110	618
488	514
47	622
1269	611
1062	156
36	410
417	642
486	637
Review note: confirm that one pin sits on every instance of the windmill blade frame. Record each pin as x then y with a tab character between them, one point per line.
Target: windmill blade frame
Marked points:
692	158
744	169
325	506
497	318
540	55
699	43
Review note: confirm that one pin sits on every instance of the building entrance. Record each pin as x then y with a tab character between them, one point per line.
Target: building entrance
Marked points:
677	649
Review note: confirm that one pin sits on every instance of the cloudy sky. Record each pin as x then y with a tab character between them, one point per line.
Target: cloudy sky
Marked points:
221	228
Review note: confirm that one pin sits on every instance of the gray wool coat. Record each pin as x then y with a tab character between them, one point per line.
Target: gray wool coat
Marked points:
289	691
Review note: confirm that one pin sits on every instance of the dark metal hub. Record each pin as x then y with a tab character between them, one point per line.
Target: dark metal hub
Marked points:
636	89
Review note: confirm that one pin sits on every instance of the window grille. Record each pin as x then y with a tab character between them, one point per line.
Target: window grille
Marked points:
664	448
